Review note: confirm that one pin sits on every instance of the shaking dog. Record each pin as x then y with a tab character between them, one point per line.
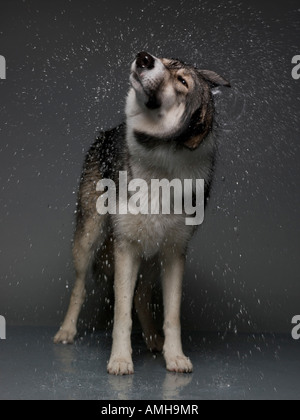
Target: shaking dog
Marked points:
168	134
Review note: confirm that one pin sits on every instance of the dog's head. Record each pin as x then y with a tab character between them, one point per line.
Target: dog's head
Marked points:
170	99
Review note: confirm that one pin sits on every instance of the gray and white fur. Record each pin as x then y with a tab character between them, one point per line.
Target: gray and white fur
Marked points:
168	134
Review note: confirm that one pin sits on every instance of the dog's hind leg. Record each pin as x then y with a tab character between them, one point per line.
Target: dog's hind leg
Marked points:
91	232
87	237
142	301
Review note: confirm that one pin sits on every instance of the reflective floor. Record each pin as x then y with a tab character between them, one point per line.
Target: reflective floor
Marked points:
231	367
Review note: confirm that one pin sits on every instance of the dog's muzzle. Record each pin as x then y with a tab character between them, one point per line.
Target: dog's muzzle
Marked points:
147	75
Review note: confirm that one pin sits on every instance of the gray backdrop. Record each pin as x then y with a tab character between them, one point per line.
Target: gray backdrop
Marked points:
67	77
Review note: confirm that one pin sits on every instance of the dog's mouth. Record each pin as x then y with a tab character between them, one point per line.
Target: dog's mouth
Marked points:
149	97
138	85
135	80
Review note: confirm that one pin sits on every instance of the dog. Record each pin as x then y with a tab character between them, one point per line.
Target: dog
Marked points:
168	134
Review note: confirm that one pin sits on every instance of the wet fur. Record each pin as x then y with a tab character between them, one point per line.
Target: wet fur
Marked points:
168	134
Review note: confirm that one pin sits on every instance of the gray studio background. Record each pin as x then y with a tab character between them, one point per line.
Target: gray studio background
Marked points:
67	77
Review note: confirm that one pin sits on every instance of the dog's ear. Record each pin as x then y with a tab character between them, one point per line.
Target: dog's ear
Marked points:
213	78
202	121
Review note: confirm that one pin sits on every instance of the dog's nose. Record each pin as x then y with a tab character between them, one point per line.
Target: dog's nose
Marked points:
145	61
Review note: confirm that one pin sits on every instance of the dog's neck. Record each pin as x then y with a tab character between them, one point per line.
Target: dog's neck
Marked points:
190	137
152	132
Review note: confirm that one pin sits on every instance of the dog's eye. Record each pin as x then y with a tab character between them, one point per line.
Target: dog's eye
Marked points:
183	81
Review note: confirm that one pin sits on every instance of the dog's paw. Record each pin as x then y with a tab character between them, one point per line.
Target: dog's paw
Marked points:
179	364
65	336
155	343
120	366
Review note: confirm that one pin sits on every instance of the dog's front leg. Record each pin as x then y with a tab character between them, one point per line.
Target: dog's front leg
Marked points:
173	270
127	264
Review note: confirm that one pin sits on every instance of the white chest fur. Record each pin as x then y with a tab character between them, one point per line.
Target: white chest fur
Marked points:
152	232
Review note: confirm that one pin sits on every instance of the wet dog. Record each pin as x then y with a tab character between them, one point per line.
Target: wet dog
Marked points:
168	134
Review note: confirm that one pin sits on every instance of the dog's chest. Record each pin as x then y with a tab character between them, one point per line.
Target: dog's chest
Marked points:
151	232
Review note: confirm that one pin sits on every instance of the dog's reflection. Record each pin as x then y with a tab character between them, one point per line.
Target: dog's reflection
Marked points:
65	356
174	384
121	386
